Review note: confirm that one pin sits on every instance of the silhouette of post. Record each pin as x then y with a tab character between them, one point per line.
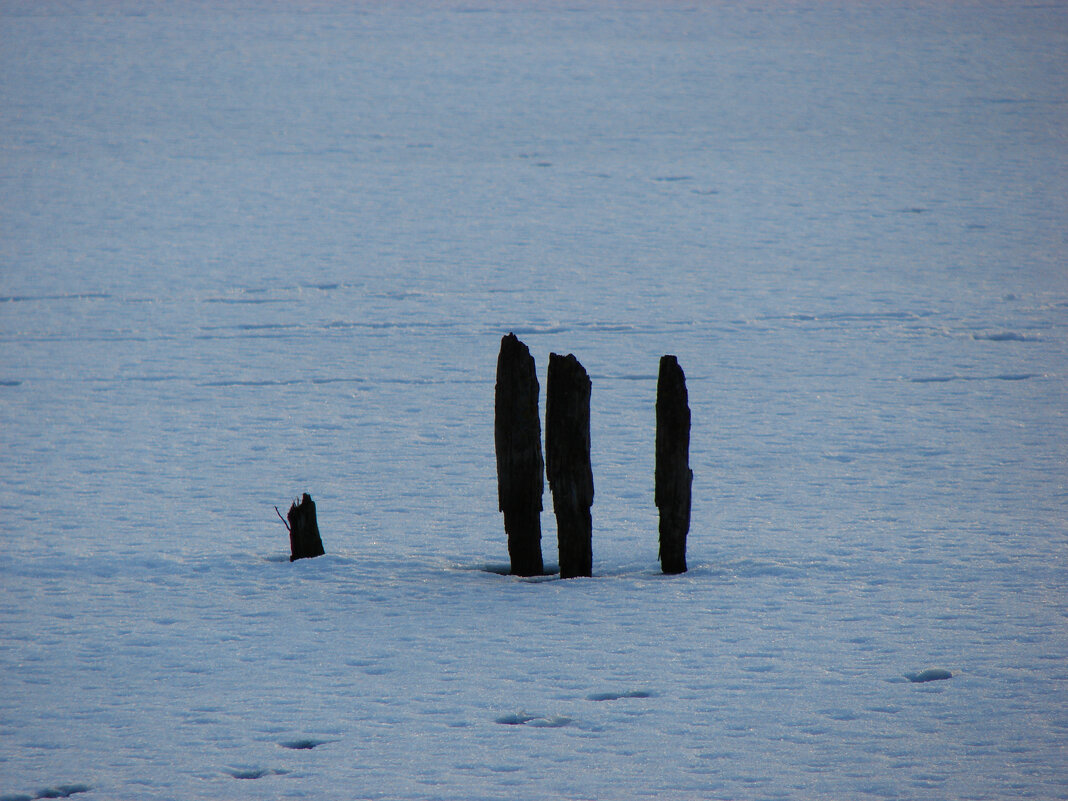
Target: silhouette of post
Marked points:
674	478
304	541
567	456
520	469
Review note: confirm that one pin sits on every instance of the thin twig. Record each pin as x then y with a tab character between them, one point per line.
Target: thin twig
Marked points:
284	522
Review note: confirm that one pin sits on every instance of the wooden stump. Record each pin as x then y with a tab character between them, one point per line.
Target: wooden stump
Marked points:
567	457
304	541
520	469
674	478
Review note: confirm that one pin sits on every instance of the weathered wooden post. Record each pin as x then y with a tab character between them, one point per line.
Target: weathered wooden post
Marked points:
520	469
567	457
304	541
674	478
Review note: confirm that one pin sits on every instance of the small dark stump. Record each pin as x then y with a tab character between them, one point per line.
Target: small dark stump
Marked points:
567	460
520	468
674	478
304	541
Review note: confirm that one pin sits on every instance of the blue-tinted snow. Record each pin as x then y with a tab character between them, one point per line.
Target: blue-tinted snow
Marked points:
249	252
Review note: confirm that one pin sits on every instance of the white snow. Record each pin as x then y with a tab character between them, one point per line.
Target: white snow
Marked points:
250	250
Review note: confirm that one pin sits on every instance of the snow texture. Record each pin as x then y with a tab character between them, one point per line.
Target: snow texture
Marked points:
251	250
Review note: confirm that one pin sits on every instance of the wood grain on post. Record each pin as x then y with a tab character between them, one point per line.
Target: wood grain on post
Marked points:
567	458
674	478
304	540
520	469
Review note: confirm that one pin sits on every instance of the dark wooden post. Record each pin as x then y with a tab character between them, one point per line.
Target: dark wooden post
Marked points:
567	457
304	541
520	469
674	478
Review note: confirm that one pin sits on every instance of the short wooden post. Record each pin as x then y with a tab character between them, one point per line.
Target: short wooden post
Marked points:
520	469
674	478
567	457
304	541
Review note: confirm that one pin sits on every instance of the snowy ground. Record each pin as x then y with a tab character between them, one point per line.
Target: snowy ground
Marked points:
248	252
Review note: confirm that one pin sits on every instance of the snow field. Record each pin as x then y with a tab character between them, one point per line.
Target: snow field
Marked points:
251	251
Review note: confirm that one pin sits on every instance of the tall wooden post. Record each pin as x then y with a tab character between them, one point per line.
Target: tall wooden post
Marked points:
567	457
674	478
304	540
520	469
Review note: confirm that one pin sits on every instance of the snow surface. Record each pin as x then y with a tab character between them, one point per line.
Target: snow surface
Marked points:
249	250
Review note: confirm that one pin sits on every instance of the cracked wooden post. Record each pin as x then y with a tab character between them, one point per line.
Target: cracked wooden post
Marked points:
304	541
674	478
567	458
520	469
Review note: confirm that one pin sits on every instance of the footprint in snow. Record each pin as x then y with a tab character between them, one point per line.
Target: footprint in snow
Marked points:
255	773
62	791
931	674
618	696
302	745
538	722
